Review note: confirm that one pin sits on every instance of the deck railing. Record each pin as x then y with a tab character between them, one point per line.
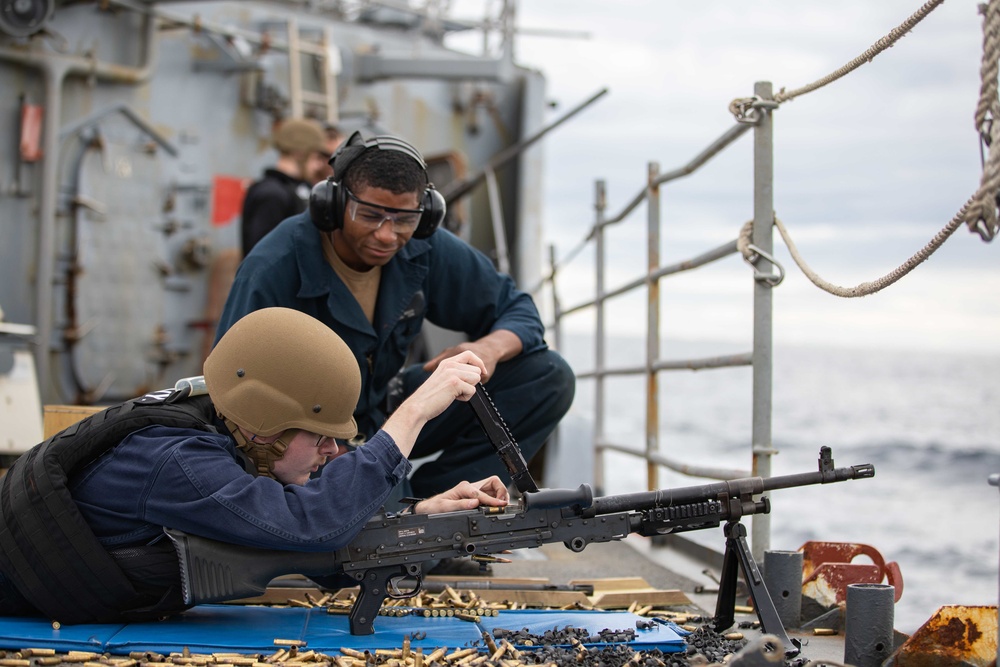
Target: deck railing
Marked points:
759	358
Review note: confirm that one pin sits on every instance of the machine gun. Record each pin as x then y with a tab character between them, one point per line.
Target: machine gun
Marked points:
393	546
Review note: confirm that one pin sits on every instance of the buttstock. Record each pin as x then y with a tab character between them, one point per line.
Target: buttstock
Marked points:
213	571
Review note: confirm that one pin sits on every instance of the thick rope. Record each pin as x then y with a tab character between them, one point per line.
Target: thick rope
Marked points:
743	241
741	105
982	214
863	289
979	213
878	47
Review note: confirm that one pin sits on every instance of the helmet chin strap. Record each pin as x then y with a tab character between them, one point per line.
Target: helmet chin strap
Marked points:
263	454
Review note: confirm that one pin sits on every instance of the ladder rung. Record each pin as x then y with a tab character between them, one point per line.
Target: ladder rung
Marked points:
313	49
314	96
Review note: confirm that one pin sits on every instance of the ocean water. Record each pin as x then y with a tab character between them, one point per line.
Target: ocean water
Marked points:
929	422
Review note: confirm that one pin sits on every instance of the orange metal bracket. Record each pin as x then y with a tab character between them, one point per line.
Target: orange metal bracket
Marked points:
828	566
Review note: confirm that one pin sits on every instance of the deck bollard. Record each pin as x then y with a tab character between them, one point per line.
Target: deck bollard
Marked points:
783	579
868	634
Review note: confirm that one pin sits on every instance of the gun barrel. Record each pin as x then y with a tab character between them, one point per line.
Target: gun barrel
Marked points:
736	488
820	477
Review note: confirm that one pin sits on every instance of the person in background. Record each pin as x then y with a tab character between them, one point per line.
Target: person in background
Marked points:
283	189
81	526
334	137
369	261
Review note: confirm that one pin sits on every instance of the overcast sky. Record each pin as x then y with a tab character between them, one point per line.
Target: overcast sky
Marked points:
867	169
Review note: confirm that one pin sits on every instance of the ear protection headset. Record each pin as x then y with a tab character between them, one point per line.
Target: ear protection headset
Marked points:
329	198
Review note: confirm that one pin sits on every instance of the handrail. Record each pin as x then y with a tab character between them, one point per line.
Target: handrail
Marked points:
725	361
713	149
685	468
759	359
679	267
699	160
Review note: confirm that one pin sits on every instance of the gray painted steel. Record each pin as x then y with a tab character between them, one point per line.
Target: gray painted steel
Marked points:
869	615
783	579
111	238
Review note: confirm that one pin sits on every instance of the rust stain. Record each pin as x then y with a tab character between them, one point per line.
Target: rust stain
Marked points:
956	636
957	632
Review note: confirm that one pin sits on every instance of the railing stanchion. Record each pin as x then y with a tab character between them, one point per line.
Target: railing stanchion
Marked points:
652	325
763	220
600	203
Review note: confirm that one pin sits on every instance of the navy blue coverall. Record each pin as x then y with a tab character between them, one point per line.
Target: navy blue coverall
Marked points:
447	282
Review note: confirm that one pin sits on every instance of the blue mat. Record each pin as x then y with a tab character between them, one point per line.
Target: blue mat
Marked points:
240	629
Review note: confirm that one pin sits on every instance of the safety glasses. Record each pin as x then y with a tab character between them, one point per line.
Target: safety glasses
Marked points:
372	216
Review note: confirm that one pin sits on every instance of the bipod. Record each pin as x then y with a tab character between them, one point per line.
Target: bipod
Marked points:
738	555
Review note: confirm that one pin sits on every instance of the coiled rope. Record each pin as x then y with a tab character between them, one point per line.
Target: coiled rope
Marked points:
979	213
982	214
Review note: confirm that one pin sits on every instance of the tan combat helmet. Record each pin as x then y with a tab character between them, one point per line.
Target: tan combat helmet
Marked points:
278	369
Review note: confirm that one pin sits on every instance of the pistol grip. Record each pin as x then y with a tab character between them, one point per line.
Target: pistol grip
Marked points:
374	583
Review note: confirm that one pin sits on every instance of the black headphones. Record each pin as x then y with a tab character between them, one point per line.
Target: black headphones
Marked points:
329	197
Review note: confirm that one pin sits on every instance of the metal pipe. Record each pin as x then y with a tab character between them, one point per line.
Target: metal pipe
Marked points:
687	469
783	580
725	361
555	439
82	65
994	480
53	74
600	203
198	24
496	215
686	265
458	189
763	214
132	115
556	304
728	137
652	323
715	147
869	618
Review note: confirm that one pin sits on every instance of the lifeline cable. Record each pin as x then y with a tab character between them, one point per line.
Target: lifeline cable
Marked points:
979	212
878	47
862	289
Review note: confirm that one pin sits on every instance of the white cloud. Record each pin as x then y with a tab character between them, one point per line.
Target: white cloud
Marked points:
867	169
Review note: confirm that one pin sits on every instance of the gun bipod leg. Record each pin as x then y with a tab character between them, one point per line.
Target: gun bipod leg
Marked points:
738	555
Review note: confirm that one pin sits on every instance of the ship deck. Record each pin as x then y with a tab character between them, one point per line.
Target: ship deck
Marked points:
673	566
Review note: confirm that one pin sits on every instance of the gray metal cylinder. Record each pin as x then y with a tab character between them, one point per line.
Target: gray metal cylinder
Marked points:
783	579
869	621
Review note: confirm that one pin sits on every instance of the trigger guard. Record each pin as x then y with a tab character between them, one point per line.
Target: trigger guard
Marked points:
393	591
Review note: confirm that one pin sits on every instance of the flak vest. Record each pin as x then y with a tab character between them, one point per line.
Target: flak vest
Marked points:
50	552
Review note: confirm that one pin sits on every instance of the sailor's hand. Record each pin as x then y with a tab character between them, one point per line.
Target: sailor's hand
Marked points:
466	496
500	345
454	379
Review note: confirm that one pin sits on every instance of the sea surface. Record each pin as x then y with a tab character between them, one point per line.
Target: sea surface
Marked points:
929	422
